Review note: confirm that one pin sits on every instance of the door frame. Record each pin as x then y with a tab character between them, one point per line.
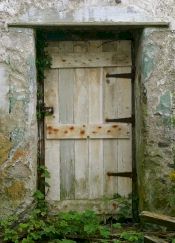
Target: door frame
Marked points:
115	35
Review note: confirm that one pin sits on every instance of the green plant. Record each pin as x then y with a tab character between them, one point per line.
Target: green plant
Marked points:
85	223
132	236
40	226
117	226
124	207
43	62
7	226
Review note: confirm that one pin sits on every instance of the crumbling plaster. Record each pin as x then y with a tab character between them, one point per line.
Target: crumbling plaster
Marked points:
155	92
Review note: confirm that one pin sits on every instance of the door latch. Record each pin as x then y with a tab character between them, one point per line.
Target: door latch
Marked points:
48	110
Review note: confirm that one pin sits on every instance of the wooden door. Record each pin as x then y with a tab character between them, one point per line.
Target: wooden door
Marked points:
81	148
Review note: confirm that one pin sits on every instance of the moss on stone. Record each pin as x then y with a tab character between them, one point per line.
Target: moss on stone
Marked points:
5	147
16	191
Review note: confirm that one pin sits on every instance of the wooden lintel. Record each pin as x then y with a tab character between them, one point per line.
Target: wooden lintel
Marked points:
103	24
159	219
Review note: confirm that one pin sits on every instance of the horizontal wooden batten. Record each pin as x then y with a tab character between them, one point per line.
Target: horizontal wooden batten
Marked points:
107	207
90	59
92	131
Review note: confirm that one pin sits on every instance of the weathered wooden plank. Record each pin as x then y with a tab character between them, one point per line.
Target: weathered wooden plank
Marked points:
52	148
117	95
68	131
84	131
159	219
67	156
118	104
95	146
124	48
108	131
124	164
66	87
81	116
90	59
99	206
153	239
110	164
110	146
95	115
124	145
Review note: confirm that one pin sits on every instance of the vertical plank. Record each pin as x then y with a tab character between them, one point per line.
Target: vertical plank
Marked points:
81	117
124	145
95	115
67	156
95	146
52	148
110	111
110	146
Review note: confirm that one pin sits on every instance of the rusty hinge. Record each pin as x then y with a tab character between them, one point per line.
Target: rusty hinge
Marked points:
122	120
120	174
123	75
120	75
48	111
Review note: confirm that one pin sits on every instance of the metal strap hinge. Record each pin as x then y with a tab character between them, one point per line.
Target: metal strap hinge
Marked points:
123	75
122	120
119	75
120	174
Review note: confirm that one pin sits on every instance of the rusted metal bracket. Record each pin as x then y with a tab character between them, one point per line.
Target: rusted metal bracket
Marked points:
123	75
120	75
48	111
122	120
120	174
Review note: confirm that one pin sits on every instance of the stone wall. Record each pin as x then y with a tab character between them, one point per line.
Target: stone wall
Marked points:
18	128
155	93
155	133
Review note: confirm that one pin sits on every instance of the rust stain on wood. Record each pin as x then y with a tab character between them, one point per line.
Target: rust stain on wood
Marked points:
92	131
82	132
